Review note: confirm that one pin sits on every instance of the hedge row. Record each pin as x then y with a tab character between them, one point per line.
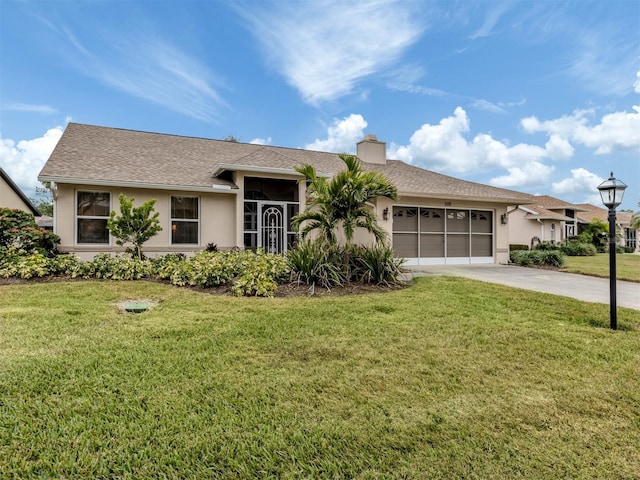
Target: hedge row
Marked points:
247	272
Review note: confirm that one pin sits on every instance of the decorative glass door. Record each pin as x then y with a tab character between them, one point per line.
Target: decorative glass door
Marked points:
272	227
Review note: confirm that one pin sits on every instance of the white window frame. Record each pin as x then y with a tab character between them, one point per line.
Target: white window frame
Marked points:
89	217
185	220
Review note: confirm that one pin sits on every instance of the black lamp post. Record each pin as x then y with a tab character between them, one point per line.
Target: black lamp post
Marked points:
612	191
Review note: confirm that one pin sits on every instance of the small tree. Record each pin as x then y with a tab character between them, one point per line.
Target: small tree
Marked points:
341	204
595	232
134	225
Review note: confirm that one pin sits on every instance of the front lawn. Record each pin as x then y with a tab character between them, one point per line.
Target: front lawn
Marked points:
627	266
450	378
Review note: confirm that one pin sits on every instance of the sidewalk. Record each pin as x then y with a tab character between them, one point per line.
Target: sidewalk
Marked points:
581	287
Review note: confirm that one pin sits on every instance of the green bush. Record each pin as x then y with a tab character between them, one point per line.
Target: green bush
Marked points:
517	246
121	268
375	264
19	263
247	272
546	245
553	258
578	249
316	262
19	230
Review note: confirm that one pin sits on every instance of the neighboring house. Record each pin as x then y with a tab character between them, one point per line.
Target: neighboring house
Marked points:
628	236
547	219
244	195
12	197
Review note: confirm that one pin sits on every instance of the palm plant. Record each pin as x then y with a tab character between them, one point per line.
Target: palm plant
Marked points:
635	220
341	203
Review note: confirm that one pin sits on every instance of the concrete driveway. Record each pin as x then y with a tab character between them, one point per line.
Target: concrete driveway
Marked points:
581	287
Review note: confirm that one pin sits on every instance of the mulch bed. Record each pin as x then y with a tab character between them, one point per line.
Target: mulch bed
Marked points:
284	291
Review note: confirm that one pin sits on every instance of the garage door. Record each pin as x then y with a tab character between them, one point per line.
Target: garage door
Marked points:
427	236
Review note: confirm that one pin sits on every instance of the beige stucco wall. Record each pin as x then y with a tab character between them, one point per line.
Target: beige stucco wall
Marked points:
217	217
10	199
522	230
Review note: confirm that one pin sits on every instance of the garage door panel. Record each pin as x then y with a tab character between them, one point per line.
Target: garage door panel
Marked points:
458	246
405	219
481	245
405	245
431	245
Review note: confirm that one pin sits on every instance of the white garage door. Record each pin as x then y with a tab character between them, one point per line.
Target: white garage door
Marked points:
428	236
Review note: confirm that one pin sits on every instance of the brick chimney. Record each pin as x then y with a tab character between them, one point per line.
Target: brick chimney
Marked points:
370	150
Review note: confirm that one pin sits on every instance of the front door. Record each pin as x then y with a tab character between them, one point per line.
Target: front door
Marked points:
272	227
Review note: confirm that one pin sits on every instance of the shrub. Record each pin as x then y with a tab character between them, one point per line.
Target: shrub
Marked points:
316	262
513	247
546	245
19	263
553	258
18	229
578	249
375	264
120	268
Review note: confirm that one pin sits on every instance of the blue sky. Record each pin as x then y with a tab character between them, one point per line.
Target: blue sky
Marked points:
536	96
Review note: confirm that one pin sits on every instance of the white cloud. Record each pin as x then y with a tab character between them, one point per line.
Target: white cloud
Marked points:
261	141
559	148
24	159
144	66
342	136
581	181
616	131
532	173
444	147
25	107
325	48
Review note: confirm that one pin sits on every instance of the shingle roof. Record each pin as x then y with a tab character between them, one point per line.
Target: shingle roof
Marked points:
591	211
540	213
103	155
552	203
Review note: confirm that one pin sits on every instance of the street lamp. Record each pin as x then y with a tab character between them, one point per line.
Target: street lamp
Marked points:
612	191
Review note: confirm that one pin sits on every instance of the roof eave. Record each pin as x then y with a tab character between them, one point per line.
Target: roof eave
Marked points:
20	193
233	167
469	198
217	188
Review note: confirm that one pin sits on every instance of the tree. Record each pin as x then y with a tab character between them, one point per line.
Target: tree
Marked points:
341	203
635	220
595	232
44	202
134	225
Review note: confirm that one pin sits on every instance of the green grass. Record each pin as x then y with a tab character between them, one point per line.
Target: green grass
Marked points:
627	266
448	379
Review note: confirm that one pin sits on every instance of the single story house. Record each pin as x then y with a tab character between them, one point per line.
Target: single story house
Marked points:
244	195
547	219
11	196
554	220
628	237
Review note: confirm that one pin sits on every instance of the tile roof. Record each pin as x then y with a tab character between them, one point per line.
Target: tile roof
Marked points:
112	156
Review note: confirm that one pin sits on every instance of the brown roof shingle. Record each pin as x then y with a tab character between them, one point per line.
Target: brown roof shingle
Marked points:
103	155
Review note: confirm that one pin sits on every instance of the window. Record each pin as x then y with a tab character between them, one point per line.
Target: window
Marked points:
552	230
92	213
185	221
